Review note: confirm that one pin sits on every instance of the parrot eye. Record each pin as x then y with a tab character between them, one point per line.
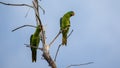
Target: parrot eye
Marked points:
72	13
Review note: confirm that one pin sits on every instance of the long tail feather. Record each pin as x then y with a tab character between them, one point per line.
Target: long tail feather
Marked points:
34	56
64	40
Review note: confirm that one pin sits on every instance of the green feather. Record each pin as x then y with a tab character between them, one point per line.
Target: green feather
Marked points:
65	25
34	41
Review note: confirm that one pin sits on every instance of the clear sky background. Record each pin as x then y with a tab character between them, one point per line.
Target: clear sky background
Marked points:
96	36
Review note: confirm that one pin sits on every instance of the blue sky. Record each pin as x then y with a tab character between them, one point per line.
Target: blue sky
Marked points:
96	36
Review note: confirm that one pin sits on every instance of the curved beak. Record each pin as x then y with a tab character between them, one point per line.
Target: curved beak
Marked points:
73	14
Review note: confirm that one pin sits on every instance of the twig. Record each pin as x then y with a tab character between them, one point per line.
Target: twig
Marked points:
27	45
54	38
60	46
42	9
79	64
22	5
70	34
57	51
57	36
27	13
16	4
22	27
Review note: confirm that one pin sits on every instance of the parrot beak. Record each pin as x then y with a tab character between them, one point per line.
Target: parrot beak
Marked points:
73	14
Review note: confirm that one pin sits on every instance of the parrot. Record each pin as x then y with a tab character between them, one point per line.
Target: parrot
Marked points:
34	41
65	25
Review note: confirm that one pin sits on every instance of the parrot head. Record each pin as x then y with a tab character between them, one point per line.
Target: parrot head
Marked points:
71	13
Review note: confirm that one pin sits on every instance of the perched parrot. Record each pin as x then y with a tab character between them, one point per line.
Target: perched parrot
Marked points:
65	25
34	41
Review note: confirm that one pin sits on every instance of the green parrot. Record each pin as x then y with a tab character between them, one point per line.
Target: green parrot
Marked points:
34	41
65	25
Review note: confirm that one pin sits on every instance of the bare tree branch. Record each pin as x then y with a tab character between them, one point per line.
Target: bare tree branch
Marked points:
27	13
48	58
29	10
54	38
22	27
27	45
57	52
21	5
57	36
70	34
38	20
60	46
16	4
46	54
79	64
42	9
36	9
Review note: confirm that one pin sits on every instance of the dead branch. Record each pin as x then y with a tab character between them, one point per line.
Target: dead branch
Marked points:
21	5
27	45
36	10
46	54
54	38
27	13
70	34
79	64
16	4
42	9
48	58
57	36
57	52
60	46
29	10
22	27
38	20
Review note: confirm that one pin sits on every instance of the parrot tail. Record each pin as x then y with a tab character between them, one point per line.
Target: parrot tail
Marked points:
34	56
64	40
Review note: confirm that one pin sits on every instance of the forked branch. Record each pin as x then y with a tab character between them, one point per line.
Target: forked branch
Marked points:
60	46
54	38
